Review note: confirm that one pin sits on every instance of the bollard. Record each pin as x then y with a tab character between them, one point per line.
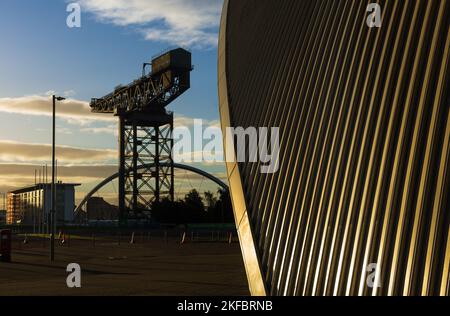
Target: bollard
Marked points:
230	238
132	238
63	240
93	240
183	238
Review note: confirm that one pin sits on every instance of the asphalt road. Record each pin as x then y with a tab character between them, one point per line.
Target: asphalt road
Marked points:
150	267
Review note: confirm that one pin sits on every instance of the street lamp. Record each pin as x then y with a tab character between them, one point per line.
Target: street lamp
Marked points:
53	207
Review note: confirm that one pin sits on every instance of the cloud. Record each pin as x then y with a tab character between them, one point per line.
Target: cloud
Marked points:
185	121
112	129
69	93
191	23
73	111
90	173
77	112
25	152
27	170
13	176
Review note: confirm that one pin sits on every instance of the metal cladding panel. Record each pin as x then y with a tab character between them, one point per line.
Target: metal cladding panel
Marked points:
364	159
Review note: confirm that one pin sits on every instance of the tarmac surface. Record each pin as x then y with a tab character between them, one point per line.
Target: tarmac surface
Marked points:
151	266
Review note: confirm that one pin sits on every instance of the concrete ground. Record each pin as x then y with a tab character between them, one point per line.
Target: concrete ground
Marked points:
148	267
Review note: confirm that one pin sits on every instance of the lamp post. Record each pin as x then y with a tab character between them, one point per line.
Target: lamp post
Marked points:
53	205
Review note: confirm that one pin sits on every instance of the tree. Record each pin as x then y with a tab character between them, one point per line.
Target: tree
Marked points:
192	209
210	199
224	206
194	201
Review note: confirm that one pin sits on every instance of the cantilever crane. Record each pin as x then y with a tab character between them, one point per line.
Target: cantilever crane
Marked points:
145	131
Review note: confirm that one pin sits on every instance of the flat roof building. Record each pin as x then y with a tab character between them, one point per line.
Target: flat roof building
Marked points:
2	217
31	205
2	208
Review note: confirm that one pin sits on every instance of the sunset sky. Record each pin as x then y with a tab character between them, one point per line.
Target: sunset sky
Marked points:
40	56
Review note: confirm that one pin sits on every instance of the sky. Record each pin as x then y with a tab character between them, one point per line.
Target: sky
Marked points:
40	55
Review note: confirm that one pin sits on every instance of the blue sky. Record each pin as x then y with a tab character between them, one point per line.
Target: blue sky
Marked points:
39	53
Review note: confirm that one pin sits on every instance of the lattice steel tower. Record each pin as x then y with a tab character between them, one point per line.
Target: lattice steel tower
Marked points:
145	131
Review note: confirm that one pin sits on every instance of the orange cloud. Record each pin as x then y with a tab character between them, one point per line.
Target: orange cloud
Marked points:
26	152
74	111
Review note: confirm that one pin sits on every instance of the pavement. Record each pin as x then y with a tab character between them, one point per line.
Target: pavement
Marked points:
149	267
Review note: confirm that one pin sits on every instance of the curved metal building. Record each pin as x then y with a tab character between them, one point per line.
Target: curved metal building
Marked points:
360	204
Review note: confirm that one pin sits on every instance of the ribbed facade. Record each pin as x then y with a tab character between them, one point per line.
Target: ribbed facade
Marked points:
364	122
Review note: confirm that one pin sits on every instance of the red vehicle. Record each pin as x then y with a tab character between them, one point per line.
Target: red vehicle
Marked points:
5	245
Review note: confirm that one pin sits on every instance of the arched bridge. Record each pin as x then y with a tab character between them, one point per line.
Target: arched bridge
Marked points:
176	165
